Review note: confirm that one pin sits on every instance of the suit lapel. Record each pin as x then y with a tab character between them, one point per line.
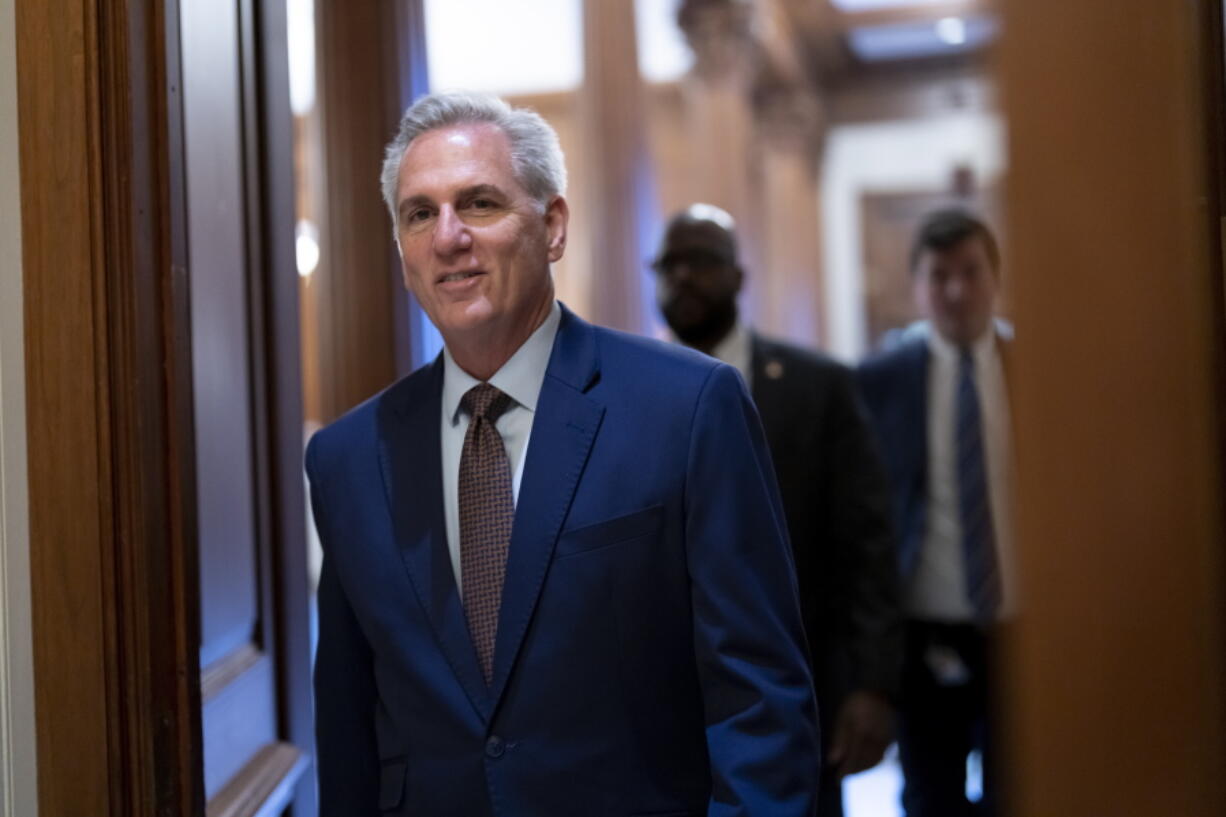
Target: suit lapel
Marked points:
768	375
562	434
411	459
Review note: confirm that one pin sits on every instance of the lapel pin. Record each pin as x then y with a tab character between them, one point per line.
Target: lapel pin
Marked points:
774	369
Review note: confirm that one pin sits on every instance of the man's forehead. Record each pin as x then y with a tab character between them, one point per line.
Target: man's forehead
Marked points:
699	233
468	147
971	247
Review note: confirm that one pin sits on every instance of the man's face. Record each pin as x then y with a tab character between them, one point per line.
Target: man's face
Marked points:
957	289
475	247
697	280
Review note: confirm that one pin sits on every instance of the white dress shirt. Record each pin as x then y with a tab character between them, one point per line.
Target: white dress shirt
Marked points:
736	350
521	378
937	589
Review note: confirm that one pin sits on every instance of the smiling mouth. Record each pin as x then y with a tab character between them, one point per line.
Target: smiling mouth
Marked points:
458	276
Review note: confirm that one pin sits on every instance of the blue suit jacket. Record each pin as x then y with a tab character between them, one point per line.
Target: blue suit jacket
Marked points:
649	656
894	385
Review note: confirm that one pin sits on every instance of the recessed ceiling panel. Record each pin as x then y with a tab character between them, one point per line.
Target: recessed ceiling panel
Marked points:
873	5
898	41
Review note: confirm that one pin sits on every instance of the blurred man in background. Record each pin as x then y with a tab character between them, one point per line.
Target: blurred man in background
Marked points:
938	400
835	496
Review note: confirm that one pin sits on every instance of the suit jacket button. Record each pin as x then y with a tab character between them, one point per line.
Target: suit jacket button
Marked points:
494	747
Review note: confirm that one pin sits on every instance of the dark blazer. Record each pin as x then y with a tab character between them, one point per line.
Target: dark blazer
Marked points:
837	503
894	384
649	656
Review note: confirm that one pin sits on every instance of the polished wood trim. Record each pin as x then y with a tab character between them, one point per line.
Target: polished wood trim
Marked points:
265	785
288	599
112	565
404	50
68	440
217	676
355	283
1118	683
155	600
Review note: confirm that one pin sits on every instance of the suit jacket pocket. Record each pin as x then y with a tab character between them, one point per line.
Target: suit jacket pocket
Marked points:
391	784
610	532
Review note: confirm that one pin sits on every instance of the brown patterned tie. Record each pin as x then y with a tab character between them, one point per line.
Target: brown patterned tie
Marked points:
487	510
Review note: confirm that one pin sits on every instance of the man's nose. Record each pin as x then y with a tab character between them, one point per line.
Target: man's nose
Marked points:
954	288
681	272
450	233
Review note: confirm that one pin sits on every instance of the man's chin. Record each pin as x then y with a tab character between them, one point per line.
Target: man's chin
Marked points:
688	324
465	318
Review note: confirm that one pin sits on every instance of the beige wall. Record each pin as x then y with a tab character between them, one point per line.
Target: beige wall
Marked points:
18	796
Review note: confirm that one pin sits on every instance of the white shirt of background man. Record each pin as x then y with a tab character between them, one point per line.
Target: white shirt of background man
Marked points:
938	588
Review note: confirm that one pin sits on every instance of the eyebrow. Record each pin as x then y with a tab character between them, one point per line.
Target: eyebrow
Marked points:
466	193
481	190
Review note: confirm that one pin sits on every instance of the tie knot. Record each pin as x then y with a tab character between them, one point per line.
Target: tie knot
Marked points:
966	360
483	400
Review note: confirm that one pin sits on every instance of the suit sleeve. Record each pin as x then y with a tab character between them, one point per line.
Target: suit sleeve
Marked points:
345	748
761	717
862	526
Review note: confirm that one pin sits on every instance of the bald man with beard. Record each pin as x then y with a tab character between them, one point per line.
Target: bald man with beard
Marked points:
835	495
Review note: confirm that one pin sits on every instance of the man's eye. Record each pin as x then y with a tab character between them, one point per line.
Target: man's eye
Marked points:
482	204
417	216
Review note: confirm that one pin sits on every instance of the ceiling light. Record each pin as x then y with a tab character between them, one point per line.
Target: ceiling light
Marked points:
306	245
951	30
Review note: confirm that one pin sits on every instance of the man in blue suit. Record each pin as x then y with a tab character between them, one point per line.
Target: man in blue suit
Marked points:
939	404
556	579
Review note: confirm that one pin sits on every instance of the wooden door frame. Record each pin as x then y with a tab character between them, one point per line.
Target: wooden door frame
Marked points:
113	566
278	374
110	428
1114	202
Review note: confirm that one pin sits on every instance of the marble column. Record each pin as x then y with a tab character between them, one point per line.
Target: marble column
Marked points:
789	282
719	119
617	194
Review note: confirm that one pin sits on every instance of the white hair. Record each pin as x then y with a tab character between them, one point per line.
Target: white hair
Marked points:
536	156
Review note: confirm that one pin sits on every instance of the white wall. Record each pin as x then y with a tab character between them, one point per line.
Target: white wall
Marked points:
917	154
18	790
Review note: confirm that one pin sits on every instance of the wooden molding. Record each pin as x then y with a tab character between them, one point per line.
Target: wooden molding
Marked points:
355	282
111	560
220	674
265	785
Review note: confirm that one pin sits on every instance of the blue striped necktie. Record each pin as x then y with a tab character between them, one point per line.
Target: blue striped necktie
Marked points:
974	505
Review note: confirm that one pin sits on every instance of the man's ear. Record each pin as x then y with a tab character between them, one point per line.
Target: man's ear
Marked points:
557	215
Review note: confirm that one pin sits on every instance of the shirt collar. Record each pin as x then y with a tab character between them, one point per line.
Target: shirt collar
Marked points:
981	349
520	377
734	349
